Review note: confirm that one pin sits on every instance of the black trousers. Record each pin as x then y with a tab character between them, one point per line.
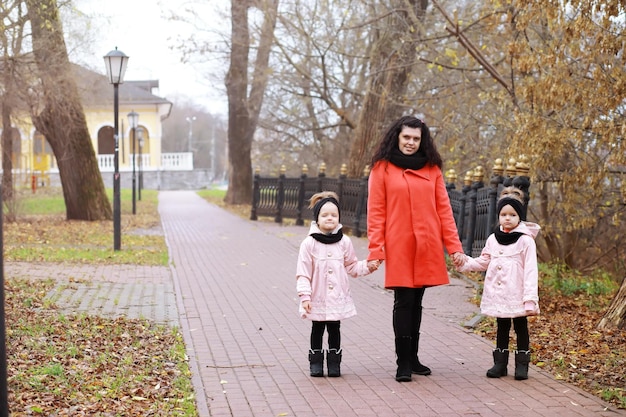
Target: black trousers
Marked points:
334	334
520	324
407	311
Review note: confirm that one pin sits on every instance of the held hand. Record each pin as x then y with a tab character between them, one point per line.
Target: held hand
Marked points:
458	258
373	265
306	305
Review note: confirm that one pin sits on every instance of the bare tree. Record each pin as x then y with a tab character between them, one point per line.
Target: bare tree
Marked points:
392	62
11	40
62	120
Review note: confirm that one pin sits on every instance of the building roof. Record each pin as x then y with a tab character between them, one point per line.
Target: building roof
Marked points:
96	90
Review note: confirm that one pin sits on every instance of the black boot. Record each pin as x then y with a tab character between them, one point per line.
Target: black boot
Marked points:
333	359
501	361
416	366
522	359
403	353
316	361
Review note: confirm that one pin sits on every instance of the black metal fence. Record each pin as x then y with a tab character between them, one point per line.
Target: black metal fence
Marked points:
474	205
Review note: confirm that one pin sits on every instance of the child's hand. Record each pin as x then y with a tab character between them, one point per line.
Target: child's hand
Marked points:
373	265
459	259
306	305
530	307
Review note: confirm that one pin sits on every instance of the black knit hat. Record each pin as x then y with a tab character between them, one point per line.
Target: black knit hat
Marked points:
517	205
319	204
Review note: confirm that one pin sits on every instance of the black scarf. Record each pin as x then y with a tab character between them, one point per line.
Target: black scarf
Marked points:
328	239
507	238
416	161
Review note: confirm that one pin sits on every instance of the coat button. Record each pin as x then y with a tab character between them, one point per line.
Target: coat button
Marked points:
501	252
330	254
330	271
330	286
499	266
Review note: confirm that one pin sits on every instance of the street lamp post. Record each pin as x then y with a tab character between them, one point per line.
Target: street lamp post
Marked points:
115	62
140	138
133	121
189	148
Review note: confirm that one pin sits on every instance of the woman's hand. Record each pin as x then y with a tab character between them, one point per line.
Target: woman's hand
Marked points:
373	265
458	258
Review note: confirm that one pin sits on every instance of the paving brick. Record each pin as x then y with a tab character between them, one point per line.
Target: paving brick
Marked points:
230	287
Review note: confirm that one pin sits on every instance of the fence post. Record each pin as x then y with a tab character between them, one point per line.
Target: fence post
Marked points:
280	195
521	179
321	173
496	180
255	194
467	182
477	184
509	173
342	178
301	195
362	203
450	179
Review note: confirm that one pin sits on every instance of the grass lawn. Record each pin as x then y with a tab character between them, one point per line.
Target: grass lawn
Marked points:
63	364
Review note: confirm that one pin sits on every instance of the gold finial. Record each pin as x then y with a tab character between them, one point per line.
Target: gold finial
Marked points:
305	169
322	168
451	176
344	169
498	167
366	171
282	170
257	171
479	174
522	167
510	168
467	180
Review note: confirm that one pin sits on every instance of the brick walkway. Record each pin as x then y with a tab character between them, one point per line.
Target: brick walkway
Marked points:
231	289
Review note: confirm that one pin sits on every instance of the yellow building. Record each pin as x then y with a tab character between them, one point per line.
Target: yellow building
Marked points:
32	155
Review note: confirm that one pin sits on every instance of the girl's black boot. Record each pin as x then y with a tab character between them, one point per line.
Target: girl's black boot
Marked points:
522	359
316	362
333	360
500	361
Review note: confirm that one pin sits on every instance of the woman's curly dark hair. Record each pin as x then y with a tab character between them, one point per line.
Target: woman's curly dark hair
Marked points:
390	140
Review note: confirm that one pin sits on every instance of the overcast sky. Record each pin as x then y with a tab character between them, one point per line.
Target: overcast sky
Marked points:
139	29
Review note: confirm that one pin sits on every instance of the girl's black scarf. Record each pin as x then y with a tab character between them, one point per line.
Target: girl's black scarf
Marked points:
328	239
416	161
507	238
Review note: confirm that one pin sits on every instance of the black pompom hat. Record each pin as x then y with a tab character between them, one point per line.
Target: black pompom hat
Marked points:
319	204
517	205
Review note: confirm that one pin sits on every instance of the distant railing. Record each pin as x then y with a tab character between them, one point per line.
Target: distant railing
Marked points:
474	206
181	161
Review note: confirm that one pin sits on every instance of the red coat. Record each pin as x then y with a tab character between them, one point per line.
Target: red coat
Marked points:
409	220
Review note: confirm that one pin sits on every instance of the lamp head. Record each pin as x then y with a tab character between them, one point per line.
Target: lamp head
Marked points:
115	63
133	119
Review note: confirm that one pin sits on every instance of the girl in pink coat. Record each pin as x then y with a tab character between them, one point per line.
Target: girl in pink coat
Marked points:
510	290
326	261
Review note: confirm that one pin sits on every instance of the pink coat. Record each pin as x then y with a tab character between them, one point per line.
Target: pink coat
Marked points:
322	276
512	275
409	220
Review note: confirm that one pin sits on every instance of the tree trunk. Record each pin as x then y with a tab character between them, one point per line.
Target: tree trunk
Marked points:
393	57
62	120
243	112
615	316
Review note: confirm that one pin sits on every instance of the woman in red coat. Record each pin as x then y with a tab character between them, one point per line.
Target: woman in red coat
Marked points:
409	221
